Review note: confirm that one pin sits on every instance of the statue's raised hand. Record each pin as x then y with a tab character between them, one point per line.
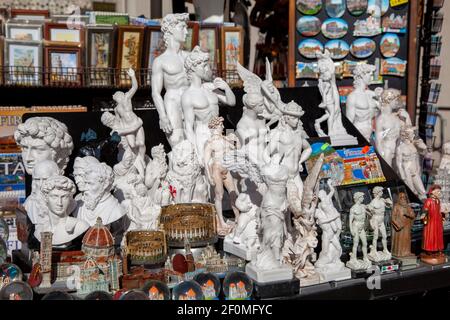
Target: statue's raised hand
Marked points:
220	84
131	73
165	125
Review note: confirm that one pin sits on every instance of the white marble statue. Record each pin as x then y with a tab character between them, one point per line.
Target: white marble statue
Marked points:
34	204
127	124
200	102
43	138
168	73
361	102
357	222
445	157
155	176
58	194
185	174
329	263
95	200
330	98
388	125
408	161
377	210
218	176
245	231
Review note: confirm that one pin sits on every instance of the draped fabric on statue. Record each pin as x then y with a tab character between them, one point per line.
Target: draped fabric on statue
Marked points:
433	231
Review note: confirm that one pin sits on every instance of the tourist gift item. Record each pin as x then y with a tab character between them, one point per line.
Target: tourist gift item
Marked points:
389	45
363	48
335	8
188	290
210	284
156	290
17	290
309	7
393	67
309	26
357	7
309	48
334	28
338	49
237	286
9	273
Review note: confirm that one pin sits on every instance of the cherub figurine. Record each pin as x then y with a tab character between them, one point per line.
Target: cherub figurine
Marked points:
245	231
357	222
377	209
218	176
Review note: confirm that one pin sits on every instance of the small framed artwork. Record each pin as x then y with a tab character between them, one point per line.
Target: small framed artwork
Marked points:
63	65
25	14
59	32
154	46
99	53
23	61
23	31
112	18
192	36
129	51
232	52
72	19
209	41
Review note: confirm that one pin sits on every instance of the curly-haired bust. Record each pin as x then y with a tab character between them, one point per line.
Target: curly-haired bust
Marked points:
44	138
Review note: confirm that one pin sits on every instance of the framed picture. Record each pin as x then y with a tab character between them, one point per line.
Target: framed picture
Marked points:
63	64
209	41
192	36
23	31
99	53
154	46
25	14
112	18
23	60
129	51
232	52
59	32
71	19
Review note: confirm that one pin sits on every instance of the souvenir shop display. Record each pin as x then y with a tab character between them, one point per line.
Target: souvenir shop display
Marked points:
237	286
210	284
156	290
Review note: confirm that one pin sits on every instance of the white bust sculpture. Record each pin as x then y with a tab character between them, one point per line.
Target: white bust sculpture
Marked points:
361	103
168	73
445	158
408	161
388	124
58	193
377	210
200	102
218	176
330	98
43	138
329	220
34	204
357	222
96	199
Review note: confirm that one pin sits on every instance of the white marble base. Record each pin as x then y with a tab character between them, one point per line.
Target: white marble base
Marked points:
239	250
262	276
343	140
343	274
310	280
358	264
378	256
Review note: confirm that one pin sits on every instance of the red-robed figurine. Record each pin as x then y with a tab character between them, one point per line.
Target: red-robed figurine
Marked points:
433	231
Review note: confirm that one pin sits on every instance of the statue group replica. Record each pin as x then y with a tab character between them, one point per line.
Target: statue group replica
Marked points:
277	216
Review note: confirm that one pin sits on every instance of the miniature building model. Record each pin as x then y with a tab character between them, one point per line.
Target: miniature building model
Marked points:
146	247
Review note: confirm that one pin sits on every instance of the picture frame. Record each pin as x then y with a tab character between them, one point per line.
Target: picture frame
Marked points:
192	36
129	52
26	14
23	63
153	47
209	41
15	30
232	51
111	18
74	19
100	50
63	64
60	32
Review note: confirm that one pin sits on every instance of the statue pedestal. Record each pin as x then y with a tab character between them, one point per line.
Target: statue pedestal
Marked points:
343	140
334	275
433	259
281	273
240	250
408	262
379	256
277	289
388	266
310	280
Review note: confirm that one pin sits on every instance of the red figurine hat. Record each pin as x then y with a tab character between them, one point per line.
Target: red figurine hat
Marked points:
434	187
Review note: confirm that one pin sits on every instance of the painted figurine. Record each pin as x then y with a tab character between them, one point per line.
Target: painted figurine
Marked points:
402	220
43	138
377	210
357	221
433	231
168	73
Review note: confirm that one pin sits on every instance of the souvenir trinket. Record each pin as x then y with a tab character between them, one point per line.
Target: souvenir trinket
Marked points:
357	7
210	284
369	27
4	230
17	290
305	70
338	49
309	7
237	286
334	28
395	23
378	7
363	48
309	48
99	295
335	8
156	290
187	290
393	67
389	45
134	295
308	26
9	273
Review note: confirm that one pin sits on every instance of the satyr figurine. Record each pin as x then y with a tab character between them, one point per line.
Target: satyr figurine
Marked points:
377	210
200	102
44	138
361	103
329	263
34	204
357	222
433	231
58	193
95	182
408	162
218	176
402	220
168	73
388	125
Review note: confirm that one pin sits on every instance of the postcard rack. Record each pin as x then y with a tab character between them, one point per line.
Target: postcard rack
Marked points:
430	42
